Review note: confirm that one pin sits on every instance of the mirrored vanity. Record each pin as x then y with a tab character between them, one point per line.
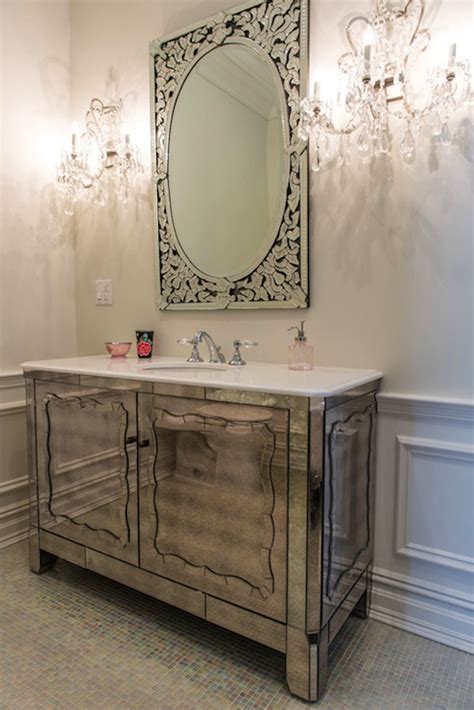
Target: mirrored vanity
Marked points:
243	495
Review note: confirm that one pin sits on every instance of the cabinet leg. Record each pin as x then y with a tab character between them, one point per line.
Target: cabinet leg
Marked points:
361	609
306	663
40	561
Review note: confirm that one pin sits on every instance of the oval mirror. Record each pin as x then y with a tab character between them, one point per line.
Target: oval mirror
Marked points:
227	166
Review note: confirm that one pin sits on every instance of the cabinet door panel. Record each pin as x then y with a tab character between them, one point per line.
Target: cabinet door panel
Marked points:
213	507
348	535
87	466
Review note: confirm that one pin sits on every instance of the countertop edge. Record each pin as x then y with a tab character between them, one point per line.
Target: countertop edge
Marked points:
163	377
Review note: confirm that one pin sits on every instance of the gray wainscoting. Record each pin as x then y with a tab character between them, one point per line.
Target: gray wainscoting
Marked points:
423	576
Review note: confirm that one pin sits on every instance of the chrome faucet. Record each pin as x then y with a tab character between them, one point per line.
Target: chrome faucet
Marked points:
215	354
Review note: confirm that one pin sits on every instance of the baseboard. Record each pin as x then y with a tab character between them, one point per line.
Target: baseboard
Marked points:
422	609
14	523
422	629
17	537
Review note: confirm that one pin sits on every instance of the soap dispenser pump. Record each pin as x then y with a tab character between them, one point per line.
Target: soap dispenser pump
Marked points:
300	354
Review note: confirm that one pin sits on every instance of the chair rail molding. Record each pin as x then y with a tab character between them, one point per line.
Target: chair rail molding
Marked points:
407	405
12	393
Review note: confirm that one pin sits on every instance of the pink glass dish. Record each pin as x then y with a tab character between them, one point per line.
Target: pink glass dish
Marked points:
118	349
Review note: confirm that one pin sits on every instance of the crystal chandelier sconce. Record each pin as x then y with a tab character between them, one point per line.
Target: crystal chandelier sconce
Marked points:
101	161
377	78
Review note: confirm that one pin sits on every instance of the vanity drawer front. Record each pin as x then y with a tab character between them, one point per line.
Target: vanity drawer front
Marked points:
213	498
87	466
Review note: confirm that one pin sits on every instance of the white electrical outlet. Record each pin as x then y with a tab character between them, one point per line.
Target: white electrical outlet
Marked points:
103	292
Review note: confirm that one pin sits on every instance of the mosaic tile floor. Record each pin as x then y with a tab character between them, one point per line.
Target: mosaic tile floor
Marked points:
74	640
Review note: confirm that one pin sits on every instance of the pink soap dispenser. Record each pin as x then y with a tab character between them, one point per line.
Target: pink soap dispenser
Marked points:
300	354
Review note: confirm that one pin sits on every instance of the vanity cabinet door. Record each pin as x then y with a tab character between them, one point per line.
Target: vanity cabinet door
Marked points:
213	498
349	478
87	472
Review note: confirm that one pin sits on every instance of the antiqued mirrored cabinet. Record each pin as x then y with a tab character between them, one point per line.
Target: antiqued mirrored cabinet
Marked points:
252	508
243	494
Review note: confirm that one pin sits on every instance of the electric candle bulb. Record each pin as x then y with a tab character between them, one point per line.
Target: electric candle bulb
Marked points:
126	133
75	130
452	54
368	40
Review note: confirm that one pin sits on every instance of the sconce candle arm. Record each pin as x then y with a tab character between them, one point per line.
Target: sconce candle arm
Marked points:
377	71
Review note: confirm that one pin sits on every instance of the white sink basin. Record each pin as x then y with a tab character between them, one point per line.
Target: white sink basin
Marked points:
179	365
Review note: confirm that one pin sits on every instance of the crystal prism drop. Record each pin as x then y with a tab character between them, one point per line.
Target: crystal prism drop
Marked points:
341	155
347	150
303	131
69	208
316	164
407	146
445	135
383	140
99	197
436	125
363	146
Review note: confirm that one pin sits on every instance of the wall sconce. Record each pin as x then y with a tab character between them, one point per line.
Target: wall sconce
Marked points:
101	160
377	74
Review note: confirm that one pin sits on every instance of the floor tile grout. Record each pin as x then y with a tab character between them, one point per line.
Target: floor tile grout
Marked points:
83	642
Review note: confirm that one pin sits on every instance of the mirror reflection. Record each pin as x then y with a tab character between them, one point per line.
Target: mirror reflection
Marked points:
227	166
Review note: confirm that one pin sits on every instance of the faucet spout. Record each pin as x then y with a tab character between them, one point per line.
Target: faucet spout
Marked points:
215	354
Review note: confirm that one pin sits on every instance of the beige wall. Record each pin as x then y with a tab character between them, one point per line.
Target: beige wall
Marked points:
37	310
109	58
391	252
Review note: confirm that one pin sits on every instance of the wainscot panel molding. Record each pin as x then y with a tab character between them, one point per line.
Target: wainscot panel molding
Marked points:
423	574
13	482
440	453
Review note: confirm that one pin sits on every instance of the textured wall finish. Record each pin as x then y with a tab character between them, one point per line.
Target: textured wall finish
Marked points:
37	311
391	248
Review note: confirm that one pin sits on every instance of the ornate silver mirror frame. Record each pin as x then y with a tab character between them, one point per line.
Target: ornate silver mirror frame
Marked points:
277	30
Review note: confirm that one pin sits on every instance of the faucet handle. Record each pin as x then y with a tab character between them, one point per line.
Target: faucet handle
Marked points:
195	356
245	343
237	357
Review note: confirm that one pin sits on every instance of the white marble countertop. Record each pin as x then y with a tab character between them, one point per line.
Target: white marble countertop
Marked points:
259	377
